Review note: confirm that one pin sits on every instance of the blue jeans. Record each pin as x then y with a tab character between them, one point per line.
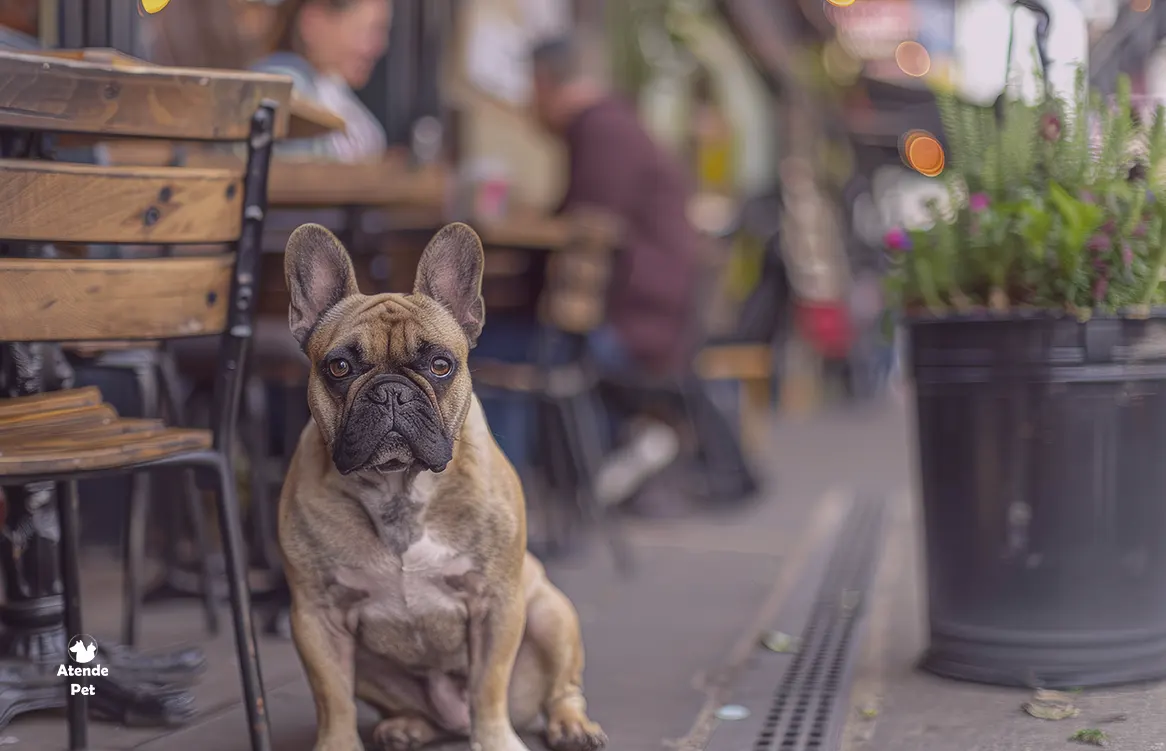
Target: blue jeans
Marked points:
512	415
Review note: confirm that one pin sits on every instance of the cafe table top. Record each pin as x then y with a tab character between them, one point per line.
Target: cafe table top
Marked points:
107	93
416	196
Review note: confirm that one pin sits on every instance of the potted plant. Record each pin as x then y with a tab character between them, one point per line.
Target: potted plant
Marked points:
1039	362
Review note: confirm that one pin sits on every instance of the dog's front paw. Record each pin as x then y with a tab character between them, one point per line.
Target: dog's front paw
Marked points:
573	731
405	733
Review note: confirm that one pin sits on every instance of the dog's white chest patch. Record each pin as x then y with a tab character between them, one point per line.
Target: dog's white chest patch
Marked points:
412	614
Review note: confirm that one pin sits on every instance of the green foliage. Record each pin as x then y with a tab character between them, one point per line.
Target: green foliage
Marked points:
1052	205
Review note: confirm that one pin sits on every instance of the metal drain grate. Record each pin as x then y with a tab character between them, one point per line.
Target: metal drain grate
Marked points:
805	706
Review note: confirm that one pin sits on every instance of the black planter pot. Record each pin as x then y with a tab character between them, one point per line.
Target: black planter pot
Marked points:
1042	457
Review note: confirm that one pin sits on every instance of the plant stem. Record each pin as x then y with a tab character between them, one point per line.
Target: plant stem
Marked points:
927	287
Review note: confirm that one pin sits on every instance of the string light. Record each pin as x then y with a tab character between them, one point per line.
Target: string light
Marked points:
922	152
913	59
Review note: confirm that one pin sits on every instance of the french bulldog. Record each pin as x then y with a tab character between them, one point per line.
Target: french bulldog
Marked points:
403	525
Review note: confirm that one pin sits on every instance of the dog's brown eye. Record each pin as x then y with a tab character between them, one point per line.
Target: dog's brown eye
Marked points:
339	368
440	367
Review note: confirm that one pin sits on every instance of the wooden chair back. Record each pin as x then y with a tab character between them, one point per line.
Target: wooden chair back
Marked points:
574	296
52	202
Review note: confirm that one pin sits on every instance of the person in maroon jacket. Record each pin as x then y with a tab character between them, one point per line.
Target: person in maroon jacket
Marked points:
651	329
616	166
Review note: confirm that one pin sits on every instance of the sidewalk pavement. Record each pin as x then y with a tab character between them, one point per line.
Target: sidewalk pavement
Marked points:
665	645
657	643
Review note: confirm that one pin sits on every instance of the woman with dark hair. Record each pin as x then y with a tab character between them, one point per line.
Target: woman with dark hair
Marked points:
329	48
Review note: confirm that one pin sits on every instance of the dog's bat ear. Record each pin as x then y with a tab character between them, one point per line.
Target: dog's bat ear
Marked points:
450	272
319	274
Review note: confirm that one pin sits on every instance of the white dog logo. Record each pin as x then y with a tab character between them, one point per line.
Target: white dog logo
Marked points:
83	654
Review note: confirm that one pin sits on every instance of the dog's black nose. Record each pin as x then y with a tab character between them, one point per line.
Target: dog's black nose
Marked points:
397	391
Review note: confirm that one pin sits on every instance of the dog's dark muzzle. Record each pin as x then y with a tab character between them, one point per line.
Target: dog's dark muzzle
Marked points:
393	424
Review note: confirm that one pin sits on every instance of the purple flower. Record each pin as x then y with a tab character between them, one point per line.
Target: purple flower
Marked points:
1098	243
1050	127
897	239
1139	230
1150	198
978	202
1109	227
1127	255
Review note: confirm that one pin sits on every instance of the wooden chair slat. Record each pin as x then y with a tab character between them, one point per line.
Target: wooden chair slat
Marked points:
96	91
57	201
737	362
87	439
86	416
45	437
60	300
49	401
102	453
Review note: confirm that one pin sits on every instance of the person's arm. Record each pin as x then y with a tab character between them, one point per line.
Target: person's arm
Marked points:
304	84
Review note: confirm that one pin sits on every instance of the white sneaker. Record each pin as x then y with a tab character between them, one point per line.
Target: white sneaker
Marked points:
652	447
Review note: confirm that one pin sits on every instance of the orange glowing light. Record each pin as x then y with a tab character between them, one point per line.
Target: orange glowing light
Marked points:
841	3
913	59
923	153
1140	6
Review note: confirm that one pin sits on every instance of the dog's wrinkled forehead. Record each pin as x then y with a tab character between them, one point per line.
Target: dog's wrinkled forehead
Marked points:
387	329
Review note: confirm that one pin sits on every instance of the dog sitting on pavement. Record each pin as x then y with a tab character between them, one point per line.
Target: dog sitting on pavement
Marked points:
403	525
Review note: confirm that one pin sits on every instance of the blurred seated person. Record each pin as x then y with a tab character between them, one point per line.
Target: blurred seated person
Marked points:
651	326
329	48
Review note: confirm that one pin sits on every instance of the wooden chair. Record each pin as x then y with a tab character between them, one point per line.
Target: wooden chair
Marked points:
70	435
570	306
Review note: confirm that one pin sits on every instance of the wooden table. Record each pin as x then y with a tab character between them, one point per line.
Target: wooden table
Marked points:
96	94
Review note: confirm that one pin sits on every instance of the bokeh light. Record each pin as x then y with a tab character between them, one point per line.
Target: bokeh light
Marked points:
922	152
913	59
1140	6
841	3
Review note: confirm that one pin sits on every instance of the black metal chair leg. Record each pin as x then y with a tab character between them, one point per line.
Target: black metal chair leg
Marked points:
235	555
171	388
257	442
133	572
558	480
69	513
134	554
584	443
